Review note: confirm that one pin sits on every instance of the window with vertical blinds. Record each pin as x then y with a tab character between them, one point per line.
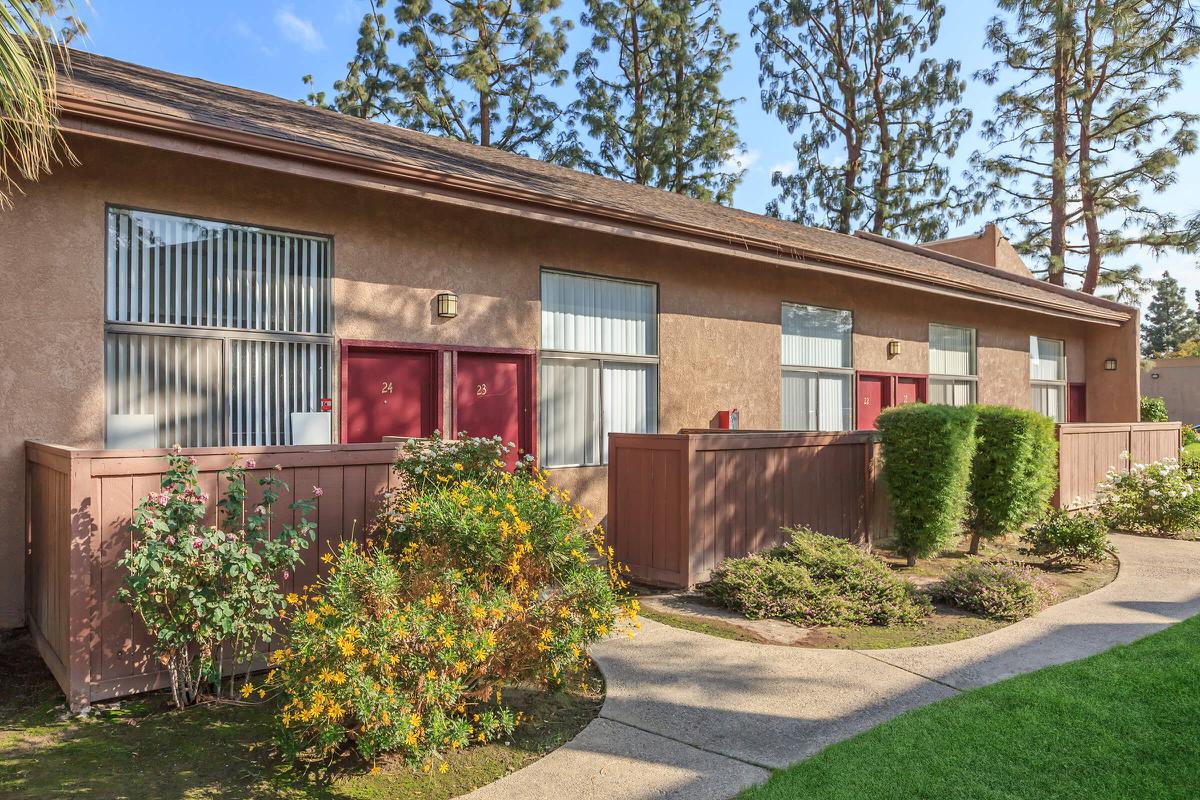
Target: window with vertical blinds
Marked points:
952	365
215	332
817	390
1048	377
599	365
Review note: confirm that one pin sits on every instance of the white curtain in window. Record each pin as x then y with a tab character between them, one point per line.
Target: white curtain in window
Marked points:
951	350
816	401
834	394
598	315
799	401
569	411
630	400
951	392
816	337
1049	399
1046	359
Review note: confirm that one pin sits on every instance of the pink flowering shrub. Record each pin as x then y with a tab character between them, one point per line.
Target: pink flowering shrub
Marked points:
995	589
203	591
1150	498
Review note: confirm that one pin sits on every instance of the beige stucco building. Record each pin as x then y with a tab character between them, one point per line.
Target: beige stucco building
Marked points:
219	260
1177	382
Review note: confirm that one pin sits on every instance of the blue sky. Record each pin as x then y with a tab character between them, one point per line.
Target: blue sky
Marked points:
268	46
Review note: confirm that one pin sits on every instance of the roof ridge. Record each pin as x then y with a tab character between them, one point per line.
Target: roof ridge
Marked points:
959	261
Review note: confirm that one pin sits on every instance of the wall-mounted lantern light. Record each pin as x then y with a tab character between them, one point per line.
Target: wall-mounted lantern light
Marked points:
893	348
1110	364
447	305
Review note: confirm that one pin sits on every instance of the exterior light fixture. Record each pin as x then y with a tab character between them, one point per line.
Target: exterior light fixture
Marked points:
893	349
447	305
1110	364
1154	375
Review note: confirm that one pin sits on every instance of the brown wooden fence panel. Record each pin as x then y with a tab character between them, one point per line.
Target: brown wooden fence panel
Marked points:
78	509
681	503
1088	451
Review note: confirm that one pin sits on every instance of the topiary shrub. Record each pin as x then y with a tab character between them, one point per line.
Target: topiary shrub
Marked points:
1014	471
995	589
815	579
1150	498
927	453
1154	409
1067	538
465	585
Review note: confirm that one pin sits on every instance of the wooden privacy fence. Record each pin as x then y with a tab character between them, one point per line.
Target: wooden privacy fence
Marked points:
679	504
1088	451
79	504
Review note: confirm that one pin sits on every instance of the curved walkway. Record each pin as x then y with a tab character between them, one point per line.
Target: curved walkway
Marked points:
693	716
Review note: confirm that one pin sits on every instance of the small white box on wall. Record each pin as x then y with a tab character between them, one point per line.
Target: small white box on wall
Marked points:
312	427
131	432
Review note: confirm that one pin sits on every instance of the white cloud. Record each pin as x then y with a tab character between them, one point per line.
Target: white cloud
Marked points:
298	30
739	160
243	30
783	168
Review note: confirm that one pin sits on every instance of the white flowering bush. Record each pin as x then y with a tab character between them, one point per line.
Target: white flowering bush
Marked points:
1150	498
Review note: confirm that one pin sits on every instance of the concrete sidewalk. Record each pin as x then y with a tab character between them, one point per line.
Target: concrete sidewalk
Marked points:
691	716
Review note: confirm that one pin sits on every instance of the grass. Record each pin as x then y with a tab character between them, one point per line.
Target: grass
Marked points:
1122	724
945	624
140	749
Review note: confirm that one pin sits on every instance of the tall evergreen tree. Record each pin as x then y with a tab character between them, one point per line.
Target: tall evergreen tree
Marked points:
1086	128
473	70
1169	322
876	125
650	97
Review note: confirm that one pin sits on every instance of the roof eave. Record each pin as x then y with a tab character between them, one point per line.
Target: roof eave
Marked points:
434	185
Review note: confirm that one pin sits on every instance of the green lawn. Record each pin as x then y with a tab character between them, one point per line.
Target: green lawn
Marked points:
1122	724
141	750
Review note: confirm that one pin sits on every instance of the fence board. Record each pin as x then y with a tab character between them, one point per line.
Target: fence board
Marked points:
79	504
1088	451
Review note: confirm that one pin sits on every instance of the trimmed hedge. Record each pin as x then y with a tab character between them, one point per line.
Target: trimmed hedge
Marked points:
816	579
1014	471
927	454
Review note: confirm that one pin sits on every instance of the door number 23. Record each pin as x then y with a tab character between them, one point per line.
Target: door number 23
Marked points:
480	389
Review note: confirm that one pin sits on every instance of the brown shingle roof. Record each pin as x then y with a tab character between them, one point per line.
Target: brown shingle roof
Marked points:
161	95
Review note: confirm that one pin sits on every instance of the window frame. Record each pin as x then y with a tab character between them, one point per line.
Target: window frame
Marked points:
599	417
818	371
1061	383
939	378
224	334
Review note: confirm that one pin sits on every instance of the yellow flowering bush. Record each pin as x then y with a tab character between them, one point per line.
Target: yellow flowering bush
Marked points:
465	586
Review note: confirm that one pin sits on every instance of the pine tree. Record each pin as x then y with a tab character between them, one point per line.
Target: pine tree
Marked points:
473	70
1086	128
1169	320
876	125
650	96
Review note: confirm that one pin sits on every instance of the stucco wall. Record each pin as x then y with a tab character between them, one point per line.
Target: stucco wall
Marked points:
719	323
1178	383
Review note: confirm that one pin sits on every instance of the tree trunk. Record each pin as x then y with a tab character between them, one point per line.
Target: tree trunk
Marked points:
884	177
485	120
1087	190
1058	169
912	560
974	548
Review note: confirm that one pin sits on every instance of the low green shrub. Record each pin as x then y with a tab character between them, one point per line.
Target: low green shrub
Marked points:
927	454
1150	498
1067	538
466	585
815	579
995	589
1188	435
1154	409
1014	471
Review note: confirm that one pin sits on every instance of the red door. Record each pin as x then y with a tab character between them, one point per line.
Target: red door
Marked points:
493	396
1077	402
390	392
873	391
909	390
